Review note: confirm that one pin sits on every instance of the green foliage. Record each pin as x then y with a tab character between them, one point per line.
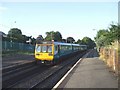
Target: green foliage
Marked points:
79	41
15	35
13	53
14	31
24	38
114	32
56	36
70	40
89	42
64	40
101	37
106	37
39	39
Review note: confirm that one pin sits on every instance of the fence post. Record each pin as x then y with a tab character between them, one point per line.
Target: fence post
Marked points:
114	59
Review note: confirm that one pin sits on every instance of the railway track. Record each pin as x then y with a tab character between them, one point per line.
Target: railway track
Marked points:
40	76
55	75
14	76
12	69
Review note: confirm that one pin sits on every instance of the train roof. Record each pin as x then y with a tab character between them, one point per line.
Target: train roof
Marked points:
83	45
60	43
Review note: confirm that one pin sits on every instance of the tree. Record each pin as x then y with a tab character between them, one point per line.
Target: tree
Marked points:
102	38
89	42
33	41
114	32
39	39
106	37
79	41
49	36
15	34
56	36
64	40
24	38
70	40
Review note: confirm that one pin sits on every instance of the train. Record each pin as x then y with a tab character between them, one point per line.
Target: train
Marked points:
50	52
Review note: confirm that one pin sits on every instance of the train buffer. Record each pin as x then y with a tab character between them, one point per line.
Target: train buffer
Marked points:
91	72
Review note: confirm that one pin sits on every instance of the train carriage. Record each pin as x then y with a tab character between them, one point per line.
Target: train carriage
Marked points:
52	52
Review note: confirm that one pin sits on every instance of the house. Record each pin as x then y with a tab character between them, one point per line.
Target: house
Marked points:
2	34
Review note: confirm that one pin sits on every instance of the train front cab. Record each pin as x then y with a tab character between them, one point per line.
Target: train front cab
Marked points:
44	53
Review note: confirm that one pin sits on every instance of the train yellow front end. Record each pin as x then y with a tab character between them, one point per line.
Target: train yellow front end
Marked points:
44	52
45	56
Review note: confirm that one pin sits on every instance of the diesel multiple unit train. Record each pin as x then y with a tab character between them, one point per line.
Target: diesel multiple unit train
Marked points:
52	52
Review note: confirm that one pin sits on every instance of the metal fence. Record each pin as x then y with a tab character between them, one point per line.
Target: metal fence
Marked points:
14	46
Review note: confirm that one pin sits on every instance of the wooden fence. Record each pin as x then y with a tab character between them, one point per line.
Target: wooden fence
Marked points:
111	56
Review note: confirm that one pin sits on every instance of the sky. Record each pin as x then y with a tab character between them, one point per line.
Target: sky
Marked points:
71	19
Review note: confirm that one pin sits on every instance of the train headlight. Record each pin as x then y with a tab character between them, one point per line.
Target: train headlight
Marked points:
38	54
50	54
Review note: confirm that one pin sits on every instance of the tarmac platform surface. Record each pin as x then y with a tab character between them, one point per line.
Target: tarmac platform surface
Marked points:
91	72
17	59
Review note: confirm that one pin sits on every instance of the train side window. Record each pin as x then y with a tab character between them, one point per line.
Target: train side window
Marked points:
70	47
56	50
62	48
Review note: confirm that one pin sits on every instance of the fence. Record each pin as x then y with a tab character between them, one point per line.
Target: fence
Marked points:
111	56
14	46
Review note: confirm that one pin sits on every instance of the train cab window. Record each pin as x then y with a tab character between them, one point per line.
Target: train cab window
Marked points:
44	48
50	49
38	48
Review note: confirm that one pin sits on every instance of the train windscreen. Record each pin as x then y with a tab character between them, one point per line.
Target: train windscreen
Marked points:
38	48
44	48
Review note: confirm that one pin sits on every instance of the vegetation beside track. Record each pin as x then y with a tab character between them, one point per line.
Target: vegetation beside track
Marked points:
13	53
108	44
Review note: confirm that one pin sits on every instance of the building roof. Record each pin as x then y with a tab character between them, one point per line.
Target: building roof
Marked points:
3	34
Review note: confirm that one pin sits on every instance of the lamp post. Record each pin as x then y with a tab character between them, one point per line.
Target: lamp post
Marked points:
97	47
51	36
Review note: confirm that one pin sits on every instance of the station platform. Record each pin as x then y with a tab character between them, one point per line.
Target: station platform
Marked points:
90	72
17	59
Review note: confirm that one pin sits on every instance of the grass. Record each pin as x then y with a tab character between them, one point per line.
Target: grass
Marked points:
12	53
